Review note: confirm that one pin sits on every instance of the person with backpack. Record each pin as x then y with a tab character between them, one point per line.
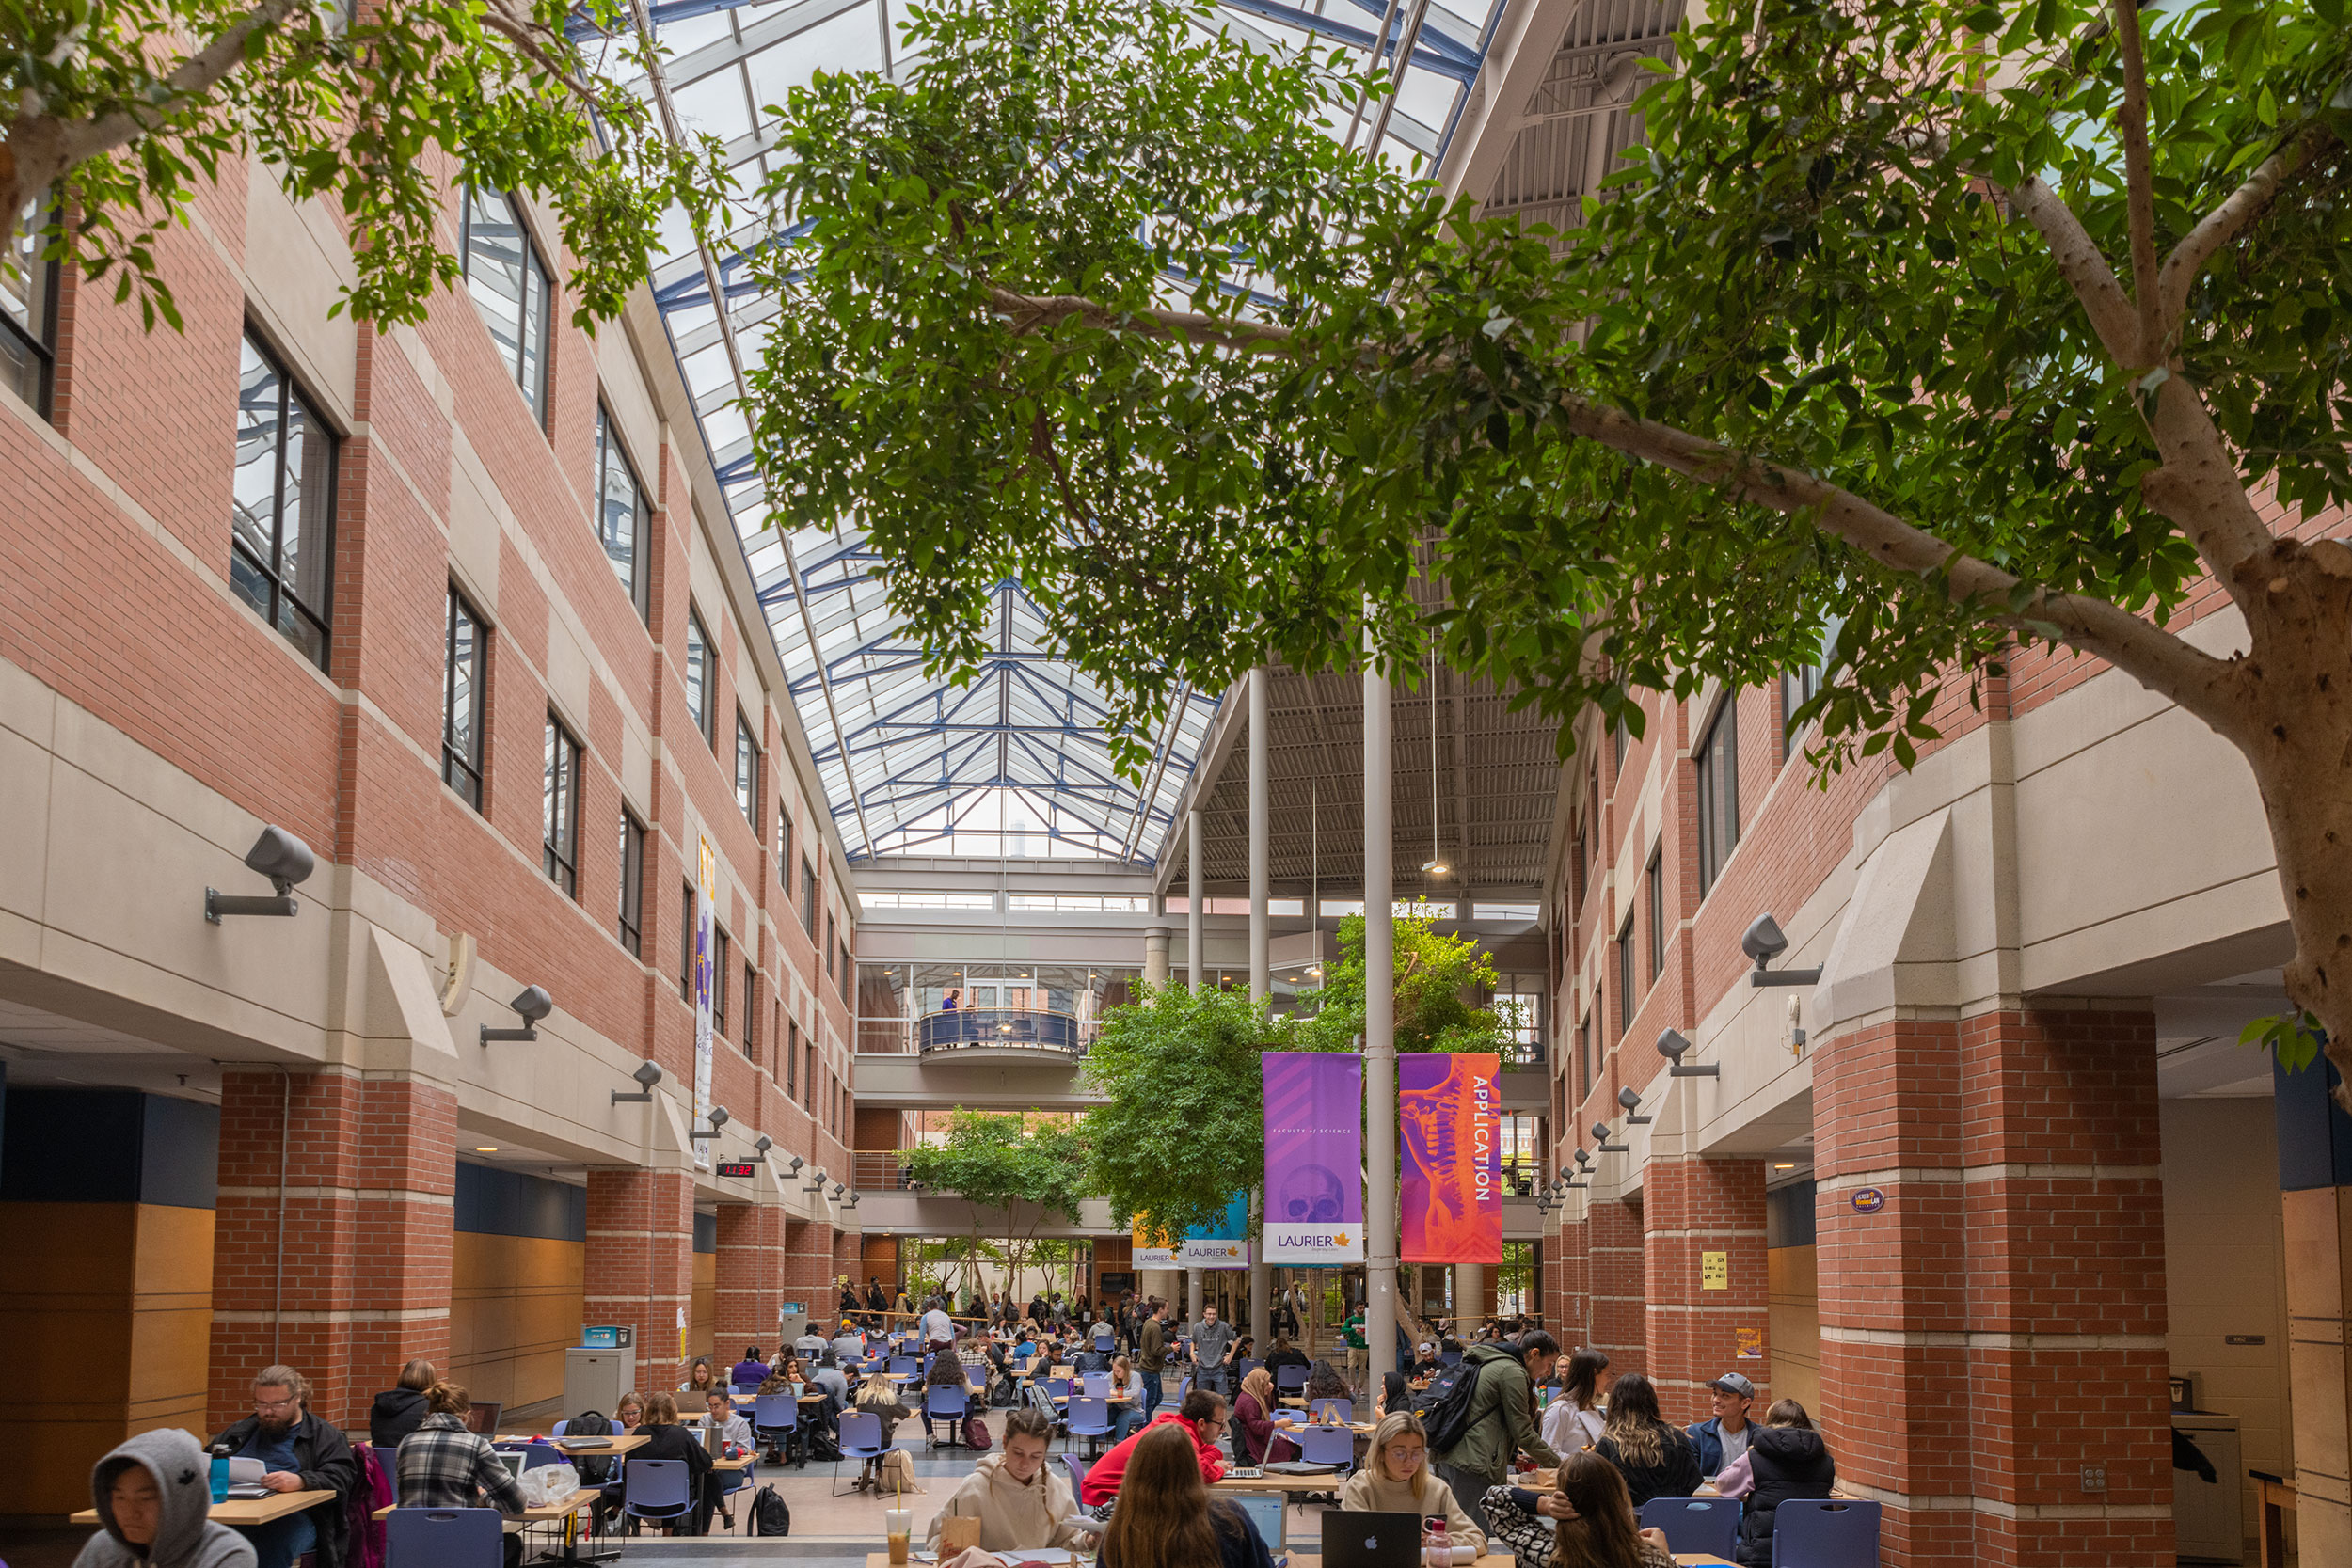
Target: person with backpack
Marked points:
1481	1415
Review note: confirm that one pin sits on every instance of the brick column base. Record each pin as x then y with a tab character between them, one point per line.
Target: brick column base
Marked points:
331	1248
1569	1262
1614	1231
640	1263
1690	1208
1992	1313
750	1277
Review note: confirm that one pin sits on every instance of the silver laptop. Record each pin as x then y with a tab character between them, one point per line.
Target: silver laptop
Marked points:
1267	1510
514	1462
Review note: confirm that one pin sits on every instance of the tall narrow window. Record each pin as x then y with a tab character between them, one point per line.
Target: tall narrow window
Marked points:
558	808
746	770
808	1060
1583	1061
686	946
791	1058
718	982
784	849
1656	877
1718	760
833	944
29	315
621	513
750	1012
1625	975
511	288
632	884
698	673
464	651
847	970
808	897
1797	687
282	533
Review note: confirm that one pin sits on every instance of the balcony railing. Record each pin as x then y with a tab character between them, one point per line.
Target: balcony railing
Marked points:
977	1029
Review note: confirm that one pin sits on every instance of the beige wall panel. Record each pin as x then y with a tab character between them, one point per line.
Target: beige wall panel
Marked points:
297	265
1793	1331
515	1306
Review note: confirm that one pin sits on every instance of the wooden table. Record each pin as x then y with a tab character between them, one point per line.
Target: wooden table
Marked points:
604	1447
547	1513
1292	1429
2276	1494
239	1512
1330	1481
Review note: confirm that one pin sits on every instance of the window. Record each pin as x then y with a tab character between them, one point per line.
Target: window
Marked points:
1090	903
847	970
1718	759
1625	975
632	884
784	849
621	514
466	643
792	1059
718	983
1656	876
698	673
1583	1061
833	941
750	1012
29	315
558	813
510	287
808	897
810	1088
686	948
747	770
1618	735
282	533
1800	687
1507	912
929	900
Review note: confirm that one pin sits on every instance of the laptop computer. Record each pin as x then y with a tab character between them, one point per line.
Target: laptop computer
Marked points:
1371	1540
514	1462
1267	1510
484	1416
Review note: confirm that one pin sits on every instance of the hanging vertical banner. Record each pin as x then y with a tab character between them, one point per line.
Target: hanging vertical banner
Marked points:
706	907
1153	1249
1450	1190
1222	1245
1314	1157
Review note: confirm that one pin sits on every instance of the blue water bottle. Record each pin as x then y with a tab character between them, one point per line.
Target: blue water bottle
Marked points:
220	1472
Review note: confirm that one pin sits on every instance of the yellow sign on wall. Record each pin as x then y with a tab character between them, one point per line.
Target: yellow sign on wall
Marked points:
1714	1270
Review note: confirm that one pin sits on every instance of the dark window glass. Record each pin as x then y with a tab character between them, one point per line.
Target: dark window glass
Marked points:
784	851
686	948
750	1012
510	287
848	969
29	315
1717	761
698	674
621	513
833	942
1657	879
791	1058
558	808
808	897
747	771
1625	975
466	649
809	1061
281	535
718	983
1583	1061
632	884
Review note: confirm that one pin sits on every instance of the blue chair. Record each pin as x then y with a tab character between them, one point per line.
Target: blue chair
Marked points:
1695	1524
904	1366
1183	1389
945	1402
1078	1469
560	1428
776	1422
1243	1367
536	1455
1095	1386
444	1538
1450	1358
1331	1407
658	1489
1825	1532
745	1391
1326	1445
1057	1387
1290	1380
1089	1418
861	1440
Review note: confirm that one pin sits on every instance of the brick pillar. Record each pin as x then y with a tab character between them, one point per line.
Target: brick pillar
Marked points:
363	1201
808	1265
640	1267
1614	1247
1573	1327
1690	1208
1996	1324
750	1277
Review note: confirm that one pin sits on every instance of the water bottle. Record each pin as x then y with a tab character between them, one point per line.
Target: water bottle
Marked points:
220	1472
1434	1551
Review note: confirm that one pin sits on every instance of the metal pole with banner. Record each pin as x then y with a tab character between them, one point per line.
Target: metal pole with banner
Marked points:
1314	1157
705	904
1450	1199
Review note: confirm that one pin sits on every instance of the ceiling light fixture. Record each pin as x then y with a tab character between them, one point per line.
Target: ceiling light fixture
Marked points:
1783	1164
493	1149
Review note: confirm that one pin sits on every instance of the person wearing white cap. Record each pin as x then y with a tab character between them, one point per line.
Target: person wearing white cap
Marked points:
1724	1436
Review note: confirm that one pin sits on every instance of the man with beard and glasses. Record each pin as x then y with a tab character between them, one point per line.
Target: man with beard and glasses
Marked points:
298	1454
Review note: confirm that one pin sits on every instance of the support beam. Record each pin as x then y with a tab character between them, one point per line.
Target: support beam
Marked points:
1379	1031
1196	897
1260	962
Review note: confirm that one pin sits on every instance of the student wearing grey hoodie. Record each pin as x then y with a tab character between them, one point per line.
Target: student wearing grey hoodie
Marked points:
154	1495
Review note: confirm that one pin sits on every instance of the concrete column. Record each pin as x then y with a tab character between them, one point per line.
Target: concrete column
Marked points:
1260	962
1196	1292
640	1263
1155	955
1379	1031
344	1271
1470	1305
1196	901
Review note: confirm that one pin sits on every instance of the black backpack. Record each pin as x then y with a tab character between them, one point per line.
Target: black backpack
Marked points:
591	1423
770	1513
1444	1406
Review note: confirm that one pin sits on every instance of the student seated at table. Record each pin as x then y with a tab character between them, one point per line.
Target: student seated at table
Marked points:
153	1495
299	1453
879	1395
1284	1353
1253	1417
399	1410
1656	1459
848	1344
700	1380
1785	1459
1200	1419
1127	1418
1167	1517
1396	1479
1573	1420
1593	1524
812	1342
443	1465
1020	1501
1324	1382
733	1428
751	1371
1426	1364
667	1439
946	1371
1394	1396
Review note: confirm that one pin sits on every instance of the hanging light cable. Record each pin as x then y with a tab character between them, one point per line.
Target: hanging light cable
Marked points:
1435	865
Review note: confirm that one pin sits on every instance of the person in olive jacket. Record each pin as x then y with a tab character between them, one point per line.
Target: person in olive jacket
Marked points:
1501	1422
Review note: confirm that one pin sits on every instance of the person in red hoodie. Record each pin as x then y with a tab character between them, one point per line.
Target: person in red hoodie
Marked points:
1203	1416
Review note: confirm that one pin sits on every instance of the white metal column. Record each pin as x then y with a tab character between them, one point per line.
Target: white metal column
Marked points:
1261	967
1196	967
1379	1031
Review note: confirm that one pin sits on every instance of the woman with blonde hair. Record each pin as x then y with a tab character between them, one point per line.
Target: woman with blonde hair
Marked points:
1593	1521
1396	1479
1657	1460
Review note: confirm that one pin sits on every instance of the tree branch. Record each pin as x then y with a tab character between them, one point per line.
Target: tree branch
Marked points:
2083	265
2226	222
2138	185
198	74
525	33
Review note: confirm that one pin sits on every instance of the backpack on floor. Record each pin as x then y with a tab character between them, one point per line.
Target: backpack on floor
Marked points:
770	1514
1444	1406
976	1435
821	1444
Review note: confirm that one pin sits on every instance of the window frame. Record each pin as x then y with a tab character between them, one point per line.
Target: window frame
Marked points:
719	951
1655	877
792	1057
631	926
701	673
1716	760
1624	977
747	751
559	805
808	896
751	1010
609	450
535	268
686	944
316	530
783	848
43	276
465	769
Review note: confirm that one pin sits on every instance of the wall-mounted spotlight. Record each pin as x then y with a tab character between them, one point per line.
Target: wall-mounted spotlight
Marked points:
1763	942
817	1181
1631	1102
647	1075
532	1005
1671	1045
762	1144
793	1164
839	1188
1600	1135
852	1203
284	859
1583	1159
718	1117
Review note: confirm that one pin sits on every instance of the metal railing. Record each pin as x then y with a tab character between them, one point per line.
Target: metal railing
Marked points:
976	1028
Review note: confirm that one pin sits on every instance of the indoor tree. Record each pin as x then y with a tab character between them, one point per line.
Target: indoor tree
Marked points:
1967	324
1022	1170
116	114
1433	972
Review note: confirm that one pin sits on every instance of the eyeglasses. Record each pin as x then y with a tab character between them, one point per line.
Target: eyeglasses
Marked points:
263	1406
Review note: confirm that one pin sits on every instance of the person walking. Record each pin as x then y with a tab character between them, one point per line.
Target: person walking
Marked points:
1500	1424
1151	1356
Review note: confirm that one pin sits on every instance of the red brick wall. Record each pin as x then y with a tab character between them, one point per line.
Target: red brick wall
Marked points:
1689	1207
640	1263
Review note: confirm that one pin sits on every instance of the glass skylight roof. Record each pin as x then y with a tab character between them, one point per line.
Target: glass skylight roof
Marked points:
1016	761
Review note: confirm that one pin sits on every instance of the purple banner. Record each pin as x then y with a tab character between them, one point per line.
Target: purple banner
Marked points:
1314	1157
